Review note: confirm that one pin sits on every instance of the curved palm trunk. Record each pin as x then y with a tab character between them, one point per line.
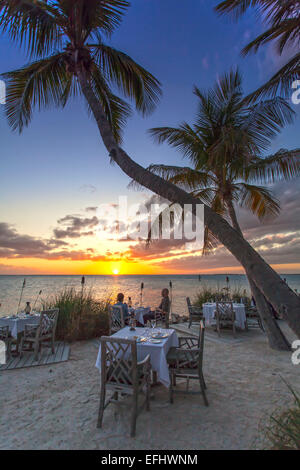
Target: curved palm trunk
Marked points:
266	279
276	338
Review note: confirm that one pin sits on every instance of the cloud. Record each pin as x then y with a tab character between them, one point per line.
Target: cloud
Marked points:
13	244
75	227
88	188
205	64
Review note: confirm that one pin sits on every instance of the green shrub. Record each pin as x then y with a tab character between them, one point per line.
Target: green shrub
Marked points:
207	294
81	316
283	430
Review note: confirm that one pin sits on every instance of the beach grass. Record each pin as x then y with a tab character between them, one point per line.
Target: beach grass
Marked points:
81	315
208	294
283	429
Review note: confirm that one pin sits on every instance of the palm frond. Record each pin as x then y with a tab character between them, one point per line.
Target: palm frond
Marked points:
40	84
258	199
264	120
281	83
33	23
183	138
184	177
236	8
285	32
131	78
283	165
210	242
117	111
90	16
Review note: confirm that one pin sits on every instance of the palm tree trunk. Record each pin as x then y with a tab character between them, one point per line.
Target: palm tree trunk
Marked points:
266	279
276	338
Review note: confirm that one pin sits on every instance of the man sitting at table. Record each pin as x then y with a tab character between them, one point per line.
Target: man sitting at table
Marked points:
120	302
164	307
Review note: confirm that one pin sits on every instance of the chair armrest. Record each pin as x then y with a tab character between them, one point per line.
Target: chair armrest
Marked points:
30	328
195	309
186	340
144	361
4	332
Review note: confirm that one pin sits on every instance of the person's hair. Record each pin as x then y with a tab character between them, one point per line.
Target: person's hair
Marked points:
165	292
120	297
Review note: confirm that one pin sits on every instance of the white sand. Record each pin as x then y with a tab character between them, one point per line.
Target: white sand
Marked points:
55	407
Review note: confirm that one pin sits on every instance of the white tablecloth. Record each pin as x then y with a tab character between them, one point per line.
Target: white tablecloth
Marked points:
17	325
140	312
158	352
209	314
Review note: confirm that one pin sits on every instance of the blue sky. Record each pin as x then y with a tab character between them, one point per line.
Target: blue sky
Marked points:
59	166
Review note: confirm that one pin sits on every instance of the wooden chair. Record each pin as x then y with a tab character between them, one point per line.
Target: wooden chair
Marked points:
253	319
195	312
5	336
116	318
122	373
162	319
43	334
225	316
186	362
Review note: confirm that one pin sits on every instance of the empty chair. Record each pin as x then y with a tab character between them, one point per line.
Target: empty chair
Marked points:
122	373
116	318
186	361
195	312
43	334
225	316
5	336
253	319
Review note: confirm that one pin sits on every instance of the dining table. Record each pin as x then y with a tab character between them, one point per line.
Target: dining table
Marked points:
156	348
16	323
139	313
209	309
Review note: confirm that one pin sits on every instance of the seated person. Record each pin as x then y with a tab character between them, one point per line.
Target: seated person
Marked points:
164	307
120	299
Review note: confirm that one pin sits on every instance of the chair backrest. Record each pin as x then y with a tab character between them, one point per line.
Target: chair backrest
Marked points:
118	361
116	318
4	332
48	322
191	357
225	310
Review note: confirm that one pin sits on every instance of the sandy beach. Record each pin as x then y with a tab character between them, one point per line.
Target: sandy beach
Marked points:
55	407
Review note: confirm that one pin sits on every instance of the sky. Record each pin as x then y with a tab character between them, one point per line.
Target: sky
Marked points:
56	176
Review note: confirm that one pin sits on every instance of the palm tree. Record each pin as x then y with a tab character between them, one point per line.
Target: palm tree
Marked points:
64	38
283	19
223	146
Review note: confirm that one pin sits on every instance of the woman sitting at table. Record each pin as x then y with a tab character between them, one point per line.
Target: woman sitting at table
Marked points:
120	302
164	307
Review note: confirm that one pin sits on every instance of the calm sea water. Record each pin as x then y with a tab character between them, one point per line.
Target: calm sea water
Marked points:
183	285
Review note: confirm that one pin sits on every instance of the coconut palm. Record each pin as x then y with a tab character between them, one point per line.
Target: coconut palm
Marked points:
283	19
64	39
223	146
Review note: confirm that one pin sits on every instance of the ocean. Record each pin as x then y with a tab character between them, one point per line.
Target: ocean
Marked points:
183	286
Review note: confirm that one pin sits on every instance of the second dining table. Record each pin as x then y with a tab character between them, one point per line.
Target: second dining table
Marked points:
16	324
157	349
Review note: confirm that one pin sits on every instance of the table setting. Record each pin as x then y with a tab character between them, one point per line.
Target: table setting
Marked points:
153	341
